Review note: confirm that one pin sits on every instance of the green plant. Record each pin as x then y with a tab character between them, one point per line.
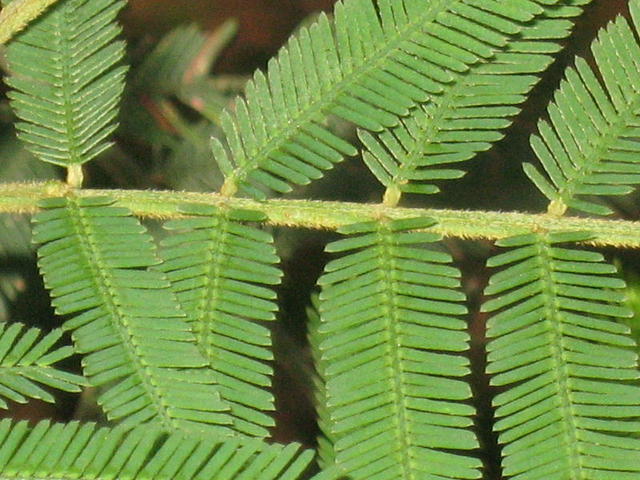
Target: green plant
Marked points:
175	338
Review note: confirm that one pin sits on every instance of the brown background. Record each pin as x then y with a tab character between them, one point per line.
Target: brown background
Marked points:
264	25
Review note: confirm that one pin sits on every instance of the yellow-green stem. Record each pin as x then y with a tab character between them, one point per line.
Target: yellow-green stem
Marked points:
75	176
468	224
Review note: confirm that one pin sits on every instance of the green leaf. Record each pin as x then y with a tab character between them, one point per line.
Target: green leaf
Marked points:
26	358
221	271
372	65
66	80
589	146
475	106
54	450
390	342
95	259
556	348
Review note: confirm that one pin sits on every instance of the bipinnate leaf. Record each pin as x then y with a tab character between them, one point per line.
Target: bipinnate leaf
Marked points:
474	108
67	80
572	404
589	147
145	453
27	356
221	270
371	65
95	259
391	344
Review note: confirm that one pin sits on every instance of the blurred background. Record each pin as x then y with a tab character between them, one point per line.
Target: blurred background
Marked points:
263	25
189	59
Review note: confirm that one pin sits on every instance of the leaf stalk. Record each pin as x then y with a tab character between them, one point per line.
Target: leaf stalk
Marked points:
321	215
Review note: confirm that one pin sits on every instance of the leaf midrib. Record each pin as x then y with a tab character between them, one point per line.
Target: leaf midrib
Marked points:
119	319
65	51
560	371
391	319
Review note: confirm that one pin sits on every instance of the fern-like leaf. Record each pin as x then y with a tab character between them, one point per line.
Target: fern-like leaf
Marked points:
371	66
590	145
26	359
570	368
86	451
391	342
220	270
95	259
66	81
469	115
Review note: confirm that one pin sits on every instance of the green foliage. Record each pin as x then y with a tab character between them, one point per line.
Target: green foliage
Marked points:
389	341
325	450
590	145
177	340
176	68
472	112
126	319
67	81
555	343
375	68
26	358
217	267
90	451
